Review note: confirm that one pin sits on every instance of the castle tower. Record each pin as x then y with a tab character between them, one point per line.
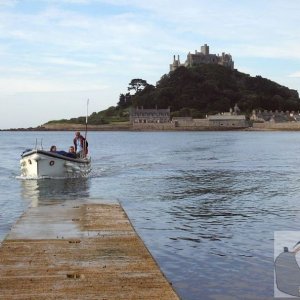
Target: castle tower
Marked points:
175	64
205	49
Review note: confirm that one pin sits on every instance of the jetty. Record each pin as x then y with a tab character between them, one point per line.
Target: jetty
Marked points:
78	250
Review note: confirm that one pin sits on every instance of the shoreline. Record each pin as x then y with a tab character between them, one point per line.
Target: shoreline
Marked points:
153	127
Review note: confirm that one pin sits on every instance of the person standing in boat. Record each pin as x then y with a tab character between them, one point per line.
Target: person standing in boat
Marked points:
80	144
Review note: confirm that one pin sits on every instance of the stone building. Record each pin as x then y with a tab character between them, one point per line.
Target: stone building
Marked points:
141	115
231	119
203	57
227	120
274	116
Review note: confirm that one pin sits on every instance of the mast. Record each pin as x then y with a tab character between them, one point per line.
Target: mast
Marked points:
86	125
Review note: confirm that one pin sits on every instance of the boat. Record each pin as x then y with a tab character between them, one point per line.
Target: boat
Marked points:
37	163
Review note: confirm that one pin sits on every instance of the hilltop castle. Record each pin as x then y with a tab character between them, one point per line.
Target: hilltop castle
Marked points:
203	57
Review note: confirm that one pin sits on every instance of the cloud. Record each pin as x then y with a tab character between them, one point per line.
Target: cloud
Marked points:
265	51
295	75
142	24
65	45
15	85
8	3
61	61
259	24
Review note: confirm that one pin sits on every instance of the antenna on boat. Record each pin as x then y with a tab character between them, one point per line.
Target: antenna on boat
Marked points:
86	122
87	114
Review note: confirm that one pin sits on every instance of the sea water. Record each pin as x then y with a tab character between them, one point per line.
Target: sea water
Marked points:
206	204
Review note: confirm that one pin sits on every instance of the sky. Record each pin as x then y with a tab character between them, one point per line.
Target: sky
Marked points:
56	54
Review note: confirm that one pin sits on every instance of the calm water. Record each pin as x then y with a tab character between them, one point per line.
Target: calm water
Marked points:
205	203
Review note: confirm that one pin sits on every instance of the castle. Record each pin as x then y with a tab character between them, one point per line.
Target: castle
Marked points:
203	57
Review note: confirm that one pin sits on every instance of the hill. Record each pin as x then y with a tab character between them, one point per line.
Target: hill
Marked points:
196	92
212	88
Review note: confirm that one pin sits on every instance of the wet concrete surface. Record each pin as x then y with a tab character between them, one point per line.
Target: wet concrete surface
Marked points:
78	250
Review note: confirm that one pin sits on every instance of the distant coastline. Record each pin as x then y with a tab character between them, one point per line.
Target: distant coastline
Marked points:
72	127
268	126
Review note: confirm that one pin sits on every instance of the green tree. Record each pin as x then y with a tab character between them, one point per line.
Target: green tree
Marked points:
122	101
125	100
137	85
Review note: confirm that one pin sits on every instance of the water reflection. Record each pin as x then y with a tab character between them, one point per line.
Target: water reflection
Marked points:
47	191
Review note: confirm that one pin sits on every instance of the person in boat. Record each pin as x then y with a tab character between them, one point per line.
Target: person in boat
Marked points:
53	148
80	144
72	152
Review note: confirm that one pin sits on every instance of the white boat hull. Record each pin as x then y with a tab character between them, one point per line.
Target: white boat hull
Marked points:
44	164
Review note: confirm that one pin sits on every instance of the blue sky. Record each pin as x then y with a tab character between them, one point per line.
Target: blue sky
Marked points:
55	54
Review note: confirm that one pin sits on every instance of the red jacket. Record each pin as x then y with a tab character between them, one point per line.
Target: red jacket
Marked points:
83	143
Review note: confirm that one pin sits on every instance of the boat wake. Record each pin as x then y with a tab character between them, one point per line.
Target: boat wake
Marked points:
20	177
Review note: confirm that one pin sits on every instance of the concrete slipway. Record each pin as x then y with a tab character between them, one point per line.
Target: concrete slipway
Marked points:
78	250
